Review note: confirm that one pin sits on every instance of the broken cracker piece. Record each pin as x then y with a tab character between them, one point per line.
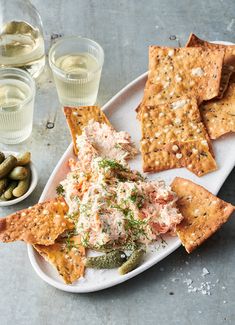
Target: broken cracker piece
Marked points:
66	256
78	117
219	115
173	136
40	224
203	213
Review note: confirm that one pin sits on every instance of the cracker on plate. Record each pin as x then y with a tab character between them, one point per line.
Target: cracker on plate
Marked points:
203	213
66	256
173	136
219	115
228	63
226	76
40	224
78	117
179	72
229	57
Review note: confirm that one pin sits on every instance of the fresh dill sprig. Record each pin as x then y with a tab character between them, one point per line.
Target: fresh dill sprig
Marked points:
60	190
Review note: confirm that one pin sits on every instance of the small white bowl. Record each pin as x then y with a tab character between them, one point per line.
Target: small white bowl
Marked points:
34	181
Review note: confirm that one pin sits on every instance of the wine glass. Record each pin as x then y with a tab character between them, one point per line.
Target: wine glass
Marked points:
21	37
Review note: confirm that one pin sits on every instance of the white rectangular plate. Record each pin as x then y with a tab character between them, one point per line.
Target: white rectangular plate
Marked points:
121	112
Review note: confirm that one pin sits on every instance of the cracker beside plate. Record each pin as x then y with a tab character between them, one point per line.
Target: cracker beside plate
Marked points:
203	213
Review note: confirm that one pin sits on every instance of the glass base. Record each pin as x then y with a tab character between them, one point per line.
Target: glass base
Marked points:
15	137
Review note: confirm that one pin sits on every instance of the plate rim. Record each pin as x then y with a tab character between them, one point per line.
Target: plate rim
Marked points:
165	253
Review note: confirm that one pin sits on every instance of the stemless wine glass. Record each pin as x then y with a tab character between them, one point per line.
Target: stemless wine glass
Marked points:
17	93
21	36
76	64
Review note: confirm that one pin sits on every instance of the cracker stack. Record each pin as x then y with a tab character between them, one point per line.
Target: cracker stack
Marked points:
179	81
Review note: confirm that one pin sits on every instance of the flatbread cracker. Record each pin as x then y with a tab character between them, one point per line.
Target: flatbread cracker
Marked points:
228	63
173	136
203	213
40	224
67	259
179	72
78	117
225	79
229	57
219	115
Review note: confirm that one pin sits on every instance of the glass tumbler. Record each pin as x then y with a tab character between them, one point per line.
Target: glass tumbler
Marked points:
76	64
17	93
21	37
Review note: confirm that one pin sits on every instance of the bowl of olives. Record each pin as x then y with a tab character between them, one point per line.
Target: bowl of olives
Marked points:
18	177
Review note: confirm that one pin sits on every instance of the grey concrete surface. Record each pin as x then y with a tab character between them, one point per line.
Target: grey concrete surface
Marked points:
160	295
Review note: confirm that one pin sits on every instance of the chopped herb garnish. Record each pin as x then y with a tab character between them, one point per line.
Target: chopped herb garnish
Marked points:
60	190
112	164
85	240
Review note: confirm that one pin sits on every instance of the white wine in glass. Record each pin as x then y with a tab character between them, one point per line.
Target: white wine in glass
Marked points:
21	37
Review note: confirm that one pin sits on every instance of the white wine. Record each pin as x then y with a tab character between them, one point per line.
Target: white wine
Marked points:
22	46
79	81
16	110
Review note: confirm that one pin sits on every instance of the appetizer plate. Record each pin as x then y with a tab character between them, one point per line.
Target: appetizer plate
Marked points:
121	112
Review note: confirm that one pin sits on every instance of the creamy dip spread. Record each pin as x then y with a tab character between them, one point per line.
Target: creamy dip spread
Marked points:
111	204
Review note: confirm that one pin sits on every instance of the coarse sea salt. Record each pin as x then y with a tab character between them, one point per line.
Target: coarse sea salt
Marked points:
205	271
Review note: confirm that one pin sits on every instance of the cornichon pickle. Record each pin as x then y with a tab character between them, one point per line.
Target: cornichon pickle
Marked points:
24	159
108	261
22	186
2	198
2	157
7	165
8	193
3	185
18	173
133	261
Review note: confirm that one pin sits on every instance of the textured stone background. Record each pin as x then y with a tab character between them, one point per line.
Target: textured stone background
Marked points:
158	296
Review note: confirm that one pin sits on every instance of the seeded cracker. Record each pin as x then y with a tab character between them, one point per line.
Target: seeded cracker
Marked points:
40	224
203	213
219	115
228	63
179	72
78	117
65	257
229	57
173	136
